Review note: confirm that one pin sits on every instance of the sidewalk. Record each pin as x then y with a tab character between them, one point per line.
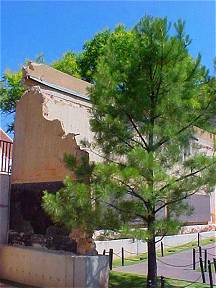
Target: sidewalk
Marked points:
167	266
4	285
8	284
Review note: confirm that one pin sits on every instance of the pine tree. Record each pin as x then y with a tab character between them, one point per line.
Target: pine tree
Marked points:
149	96
76	207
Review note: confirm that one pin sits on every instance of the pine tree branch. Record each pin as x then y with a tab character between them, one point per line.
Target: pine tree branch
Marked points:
176	200
106	158
125	211
138	132
137	142
166	139
161	238
132	191
188	175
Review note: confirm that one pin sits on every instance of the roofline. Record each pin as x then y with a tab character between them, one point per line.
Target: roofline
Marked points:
60	88
6	135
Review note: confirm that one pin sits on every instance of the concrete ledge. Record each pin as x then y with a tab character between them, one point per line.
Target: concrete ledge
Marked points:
137	246
4	196
42	268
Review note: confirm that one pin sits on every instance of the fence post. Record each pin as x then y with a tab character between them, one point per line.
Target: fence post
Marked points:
110	258
200	251
194	259
137	252
122	256
162	250
210	274
162	282
214	261
202	270
205	260
104	252
198	239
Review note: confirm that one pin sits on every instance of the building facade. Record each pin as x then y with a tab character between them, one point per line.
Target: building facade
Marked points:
52	118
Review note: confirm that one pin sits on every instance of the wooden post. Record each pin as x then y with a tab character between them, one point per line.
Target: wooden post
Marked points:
104	252
122	256
162	282
202	270
210	274
198	240
214	261
194	259
110	258
200	251
162	249
205	260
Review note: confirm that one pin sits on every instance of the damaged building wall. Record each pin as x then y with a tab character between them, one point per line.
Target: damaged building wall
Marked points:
52	118
49	123
40	143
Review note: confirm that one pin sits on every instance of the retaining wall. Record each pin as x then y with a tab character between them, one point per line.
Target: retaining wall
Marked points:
132	247
4	211
43	268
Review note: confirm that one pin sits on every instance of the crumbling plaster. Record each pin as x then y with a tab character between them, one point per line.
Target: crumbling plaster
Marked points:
40	140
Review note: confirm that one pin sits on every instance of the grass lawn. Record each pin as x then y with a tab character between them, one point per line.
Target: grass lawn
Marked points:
167	251
129	280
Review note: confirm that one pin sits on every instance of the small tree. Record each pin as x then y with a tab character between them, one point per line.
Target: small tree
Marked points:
149	95
92	50
68	64
11	89
76	208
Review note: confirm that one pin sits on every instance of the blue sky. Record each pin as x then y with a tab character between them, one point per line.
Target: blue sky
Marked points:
53	27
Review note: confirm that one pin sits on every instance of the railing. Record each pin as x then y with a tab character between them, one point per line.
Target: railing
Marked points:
5	157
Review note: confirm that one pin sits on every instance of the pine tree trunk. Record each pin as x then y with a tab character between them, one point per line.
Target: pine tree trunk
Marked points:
152	264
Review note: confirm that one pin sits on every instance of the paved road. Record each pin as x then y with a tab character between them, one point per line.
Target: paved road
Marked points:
167	266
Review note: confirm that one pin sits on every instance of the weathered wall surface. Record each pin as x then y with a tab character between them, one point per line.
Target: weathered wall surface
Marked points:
73	114
205	144
43	268
4	213
40	144
50	75
48	125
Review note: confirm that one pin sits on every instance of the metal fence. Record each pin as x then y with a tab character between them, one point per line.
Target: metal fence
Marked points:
6	149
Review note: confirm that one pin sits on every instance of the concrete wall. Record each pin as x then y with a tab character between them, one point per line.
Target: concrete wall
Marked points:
135	247
51	269
4	209
205	144
213	207
201	209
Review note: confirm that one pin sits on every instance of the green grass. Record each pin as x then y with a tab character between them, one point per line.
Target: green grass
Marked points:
167	251
129	280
